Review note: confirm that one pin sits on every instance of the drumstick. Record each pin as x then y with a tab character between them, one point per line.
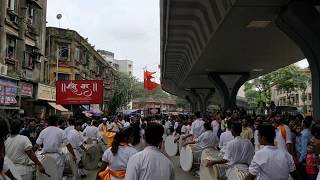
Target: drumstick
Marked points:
46	174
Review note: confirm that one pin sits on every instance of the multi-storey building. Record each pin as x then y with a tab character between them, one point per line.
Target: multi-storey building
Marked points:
77	60
22	41
123	66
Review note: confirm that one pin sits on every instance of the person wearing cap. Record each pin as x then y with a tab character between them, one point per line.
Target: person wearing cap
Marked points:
106	135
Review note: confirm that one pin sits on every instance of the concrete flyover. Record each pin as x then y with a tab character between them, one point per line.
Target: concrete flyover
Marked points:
220	44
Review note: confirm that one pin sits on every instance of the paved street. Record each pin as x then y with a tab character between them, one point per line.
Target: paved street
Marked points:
180	174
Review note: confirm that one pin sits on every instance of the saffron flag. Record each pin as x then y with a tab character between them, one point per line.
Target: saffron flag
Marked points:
148	83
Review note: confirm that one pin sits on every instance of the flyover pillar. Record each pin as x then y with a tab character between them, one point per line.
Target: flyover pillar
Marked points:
228	85
193	103
203	95
300	20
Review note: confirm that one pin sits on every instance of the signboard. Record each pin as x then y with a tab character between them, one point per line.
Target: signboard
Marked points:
47	93
154	110
8	92
26	89
80	92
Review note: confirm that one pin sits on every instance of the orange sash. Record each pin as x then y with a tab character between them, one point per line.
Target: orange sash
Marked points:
108	137
283	133
106	174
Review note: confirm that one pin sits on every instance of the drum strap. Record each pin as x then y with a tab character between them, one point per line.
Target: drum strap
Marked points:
106	174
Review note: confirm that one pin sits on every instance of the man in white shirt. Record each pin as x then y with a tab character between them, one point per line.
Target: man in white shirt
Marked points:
150	164
53	138
197	126
19	151
238	155
283	135
91	132
71	122
77	141
226	137
270	162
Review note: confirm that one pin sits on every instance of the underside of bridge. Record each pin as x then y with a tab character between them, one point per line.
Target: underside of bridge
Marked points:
220	44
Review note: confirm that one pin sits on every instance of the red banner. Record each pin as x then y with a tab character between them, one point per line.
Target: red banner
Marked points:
80	92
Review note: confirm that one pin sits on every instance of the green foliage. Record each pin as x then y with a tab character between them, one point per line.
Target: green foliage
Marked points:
291	79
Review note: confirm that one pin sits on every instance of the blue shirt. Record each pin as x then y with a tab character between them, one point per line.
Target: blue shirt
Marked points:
304	140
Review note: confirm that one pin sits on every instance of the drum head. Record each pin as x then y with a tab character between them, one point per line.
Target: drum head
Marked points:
170	147
186	158
50	166
90	161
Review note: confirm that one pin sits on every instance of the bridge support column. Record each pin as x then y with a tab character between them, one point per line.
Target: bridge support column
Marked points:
228	85
203	96
193	103
300	20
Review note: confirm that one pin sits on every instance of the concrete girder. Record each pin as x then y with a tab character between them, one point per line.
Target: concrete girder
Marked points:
228	85
300	20
203	96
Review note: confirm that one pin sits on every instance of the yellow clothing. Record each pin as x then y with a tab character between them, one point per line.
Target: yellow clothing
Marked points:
106	174
247	133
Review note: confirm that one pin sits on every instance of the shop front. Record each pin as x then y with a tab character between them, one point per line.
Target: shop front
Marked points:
9	98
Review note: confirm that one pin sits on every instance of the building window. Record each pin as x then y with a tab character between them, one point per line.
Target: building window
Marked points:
309	97
62	76
11	48
12	5
78	77
31	15
29	58
77	53
63	52
130	73
297	99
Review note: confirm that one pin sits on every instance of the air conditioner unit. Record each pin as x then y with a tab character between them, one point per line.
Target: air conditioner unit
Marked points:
3	69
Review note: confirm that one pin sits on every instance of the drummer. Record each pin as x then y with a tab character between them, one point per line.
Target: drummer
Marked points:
196	127
206	140
53	138
77	142
115	125
115	159
226	137
270	162
238	155
91	132
19	151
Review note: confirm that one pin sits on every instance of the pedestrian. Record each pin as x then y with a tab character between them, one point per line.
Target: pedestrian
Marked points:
19	151
77	142
305	138
270	162
311	164
247	132
52	138
315	141
115	159
91	132
151	163
226	137
31	131
283	138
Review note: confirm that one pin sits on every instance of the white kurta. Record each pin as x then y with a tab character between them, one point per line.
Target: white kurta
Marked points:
150	164
208	139
281	142
197	128
53	138
120	160
215	126
15	151
224	139
272	163
91	132
239	151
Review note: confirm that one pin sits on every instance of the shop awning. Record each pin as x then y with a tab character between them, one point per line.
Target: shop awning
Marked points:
58	107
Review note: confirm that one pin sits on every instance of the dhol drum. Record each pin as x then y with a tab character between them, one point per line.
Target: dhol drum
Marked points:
190	157
12	168
90	160
181	141
237	172
171	148
216	172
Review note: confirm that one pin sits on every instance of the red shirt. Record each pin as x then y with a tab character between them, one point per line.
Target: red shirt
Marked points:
311	169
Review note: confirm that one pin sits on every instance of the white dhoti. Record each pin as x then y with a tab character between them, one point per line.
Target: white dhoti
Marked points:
237	172
53	163
216	172
25	171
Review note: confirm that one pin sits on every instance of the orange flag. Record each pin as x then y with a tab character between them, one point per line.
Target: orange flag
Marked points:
148	83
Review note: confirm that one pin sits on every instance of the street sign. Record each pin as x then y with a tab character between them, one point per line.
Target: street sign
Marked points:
80	92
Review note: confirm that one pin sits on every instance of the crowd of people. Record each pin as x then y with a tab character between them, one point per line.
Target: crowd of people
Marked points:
251	147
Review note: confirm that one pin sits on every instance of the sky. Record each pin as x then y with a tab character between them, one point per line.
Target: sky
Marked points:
129	28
